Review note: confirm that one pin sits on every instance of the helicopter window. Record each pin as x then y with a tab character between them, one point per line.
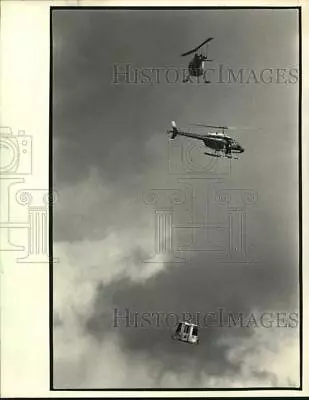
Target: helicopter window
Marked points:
194	331
178	328
187	329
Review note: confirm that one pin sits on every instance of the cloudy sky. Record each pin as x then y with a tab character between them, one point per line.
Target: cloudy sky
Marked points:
111	149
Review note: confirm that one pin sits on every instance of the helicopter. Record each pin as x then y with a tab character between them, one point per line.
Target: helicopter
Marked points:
197	64
223	145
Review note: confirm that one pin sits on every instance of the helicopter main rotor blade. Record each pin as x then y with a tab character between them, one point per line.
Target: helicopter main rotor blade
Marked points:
247	128
212	126
196	48
227	127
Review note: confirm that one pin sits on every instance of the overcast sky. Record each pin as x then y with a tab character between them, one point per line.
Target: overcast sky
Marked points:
110	146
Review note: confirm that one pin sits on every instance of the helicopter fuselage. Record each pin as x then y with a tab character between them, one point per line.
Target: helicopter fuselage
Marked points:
196	65
216	141
220	143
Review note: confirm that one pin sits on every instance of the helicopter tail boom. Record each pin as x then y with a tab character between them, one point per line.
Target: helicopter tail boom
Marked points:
178	132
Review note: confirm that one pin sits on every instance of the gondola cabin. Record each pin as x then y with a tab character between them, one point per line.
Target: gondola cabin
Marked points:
186	332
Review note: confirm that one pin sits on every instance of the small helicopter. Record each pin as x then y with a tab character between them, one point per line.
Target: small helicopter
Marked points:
197	64
224	146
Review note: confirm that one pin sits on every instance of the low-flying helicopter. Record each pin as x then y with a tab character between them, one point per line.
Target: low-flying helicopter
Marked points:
197	64
222	144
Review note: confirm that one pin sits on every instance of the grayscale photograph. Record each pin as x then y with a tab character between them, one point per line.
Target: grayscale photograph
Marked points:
176	230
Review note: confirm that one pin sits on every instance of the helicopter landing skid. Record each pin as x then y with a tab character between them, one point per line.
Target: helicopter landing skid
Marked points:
221	156
213	154
231	157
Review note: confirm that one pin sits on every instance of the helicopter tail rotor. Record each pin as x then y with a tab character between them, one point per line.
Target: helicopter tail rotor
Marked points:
173	131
